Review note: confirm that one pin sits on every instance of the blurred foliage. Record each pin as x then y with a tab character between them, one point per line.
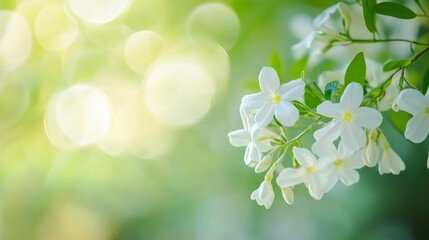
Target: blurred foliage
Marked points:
200	188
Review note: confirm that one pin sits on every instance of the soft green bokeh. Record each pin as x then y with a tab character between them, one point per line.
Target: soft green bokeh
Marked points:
161	180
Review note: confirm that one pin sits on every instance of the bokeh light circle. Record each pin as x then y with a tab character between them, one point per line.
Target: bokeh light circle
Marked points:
15	40
54	29
142	49
214	22
179	92
82	113
98	11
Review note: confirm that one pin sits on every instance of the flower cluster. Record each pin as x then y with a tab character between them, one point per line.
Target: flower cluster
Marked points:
329	136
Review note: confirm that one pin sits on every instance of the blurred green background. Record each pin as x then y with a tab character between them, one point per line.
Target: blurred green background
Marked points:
167	174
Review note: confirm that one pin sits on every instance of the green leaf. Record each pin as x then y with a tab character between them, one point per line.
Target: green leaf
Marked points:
399	119
396	64
356	71
276	62
312	96
330	89
369	14
394	10
425	81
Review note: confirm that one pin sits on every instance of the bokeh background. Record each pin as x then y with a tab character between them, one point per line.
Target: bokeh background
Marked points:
114	118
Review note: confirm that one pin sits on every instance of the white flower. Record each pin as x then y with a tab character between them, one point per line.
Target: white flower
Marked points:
348	119
412	101
309	173
323	32
338	164
257	140
390	161
264	195
371	150
275	100
387	102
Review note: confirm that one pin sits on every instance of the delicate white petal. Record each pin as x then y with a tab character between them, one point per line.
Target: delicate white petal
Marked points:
352	96
246	119
412	101
262	138
252	154
239	138
253	102
264	115
329	109
304	157
289	177
293	90
348	176
286	113
325	149
288	195
269	201
331	180
316	186
269	80
417	128
390	162
353	137
367	117
265	190
328	133
323	17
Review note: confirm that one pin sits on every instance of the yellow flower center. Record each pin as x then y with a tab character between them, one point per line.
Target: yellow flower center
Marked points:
347	117
309	169
338	163
276	98
427	110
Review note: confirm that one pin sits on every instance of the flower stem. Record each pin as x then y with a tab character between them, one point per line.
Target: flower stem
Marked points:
387	40
305	130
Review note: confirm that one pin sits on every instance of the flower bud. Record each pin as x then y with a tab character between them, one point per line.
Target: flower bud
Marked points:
264	163
372	152
345	14
288	195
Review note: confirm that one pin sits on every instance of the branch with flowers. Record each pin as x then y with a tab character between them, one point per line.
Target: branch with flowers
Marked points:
340	112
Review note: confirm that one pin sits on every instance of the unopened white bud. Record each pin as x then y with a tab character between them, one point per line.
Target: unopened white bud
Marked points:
288	195
372	152
345	14
264	164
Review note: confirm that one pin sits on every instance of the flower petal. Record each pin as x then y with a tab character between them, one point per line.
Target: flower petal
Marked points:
328	133
329	109
304	157
264	115
390	162
239	138
353	137
325	149
348	176
289	177
417	128
316	186
286	113
251	154
269	80
367	117
352	96
412	101
253	102
292	90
